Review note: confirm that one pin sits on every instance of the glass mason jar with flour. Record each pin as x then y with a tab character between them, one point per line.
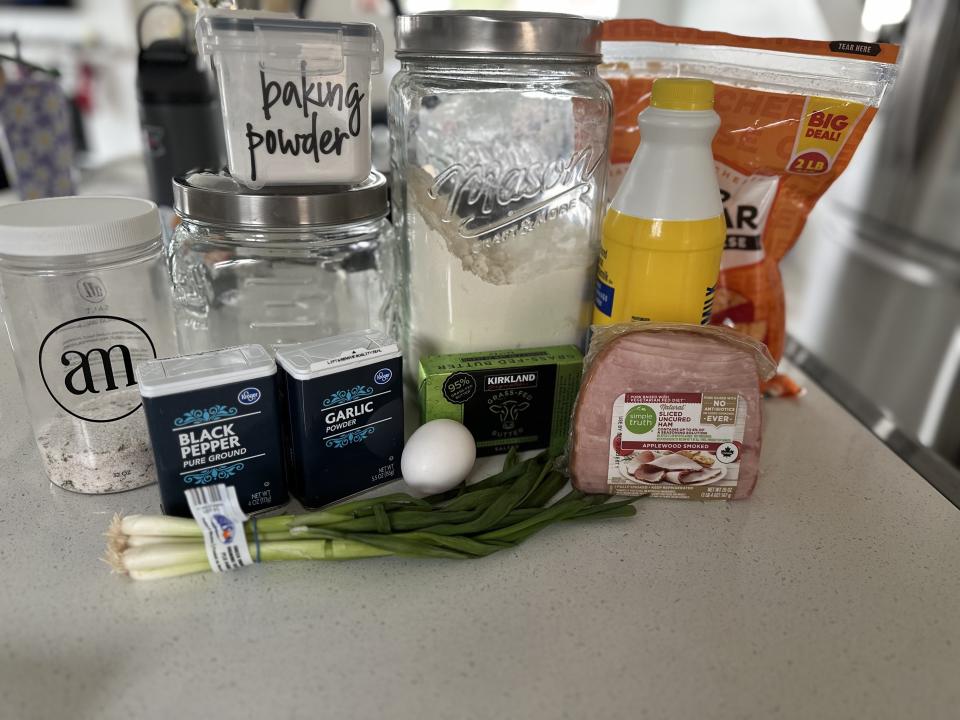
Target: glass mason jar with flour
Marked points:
499	129
85	298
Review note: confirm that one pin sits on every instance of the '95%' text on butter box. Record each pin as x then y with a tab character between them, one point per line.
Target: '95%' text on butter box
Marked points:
506	398
344	419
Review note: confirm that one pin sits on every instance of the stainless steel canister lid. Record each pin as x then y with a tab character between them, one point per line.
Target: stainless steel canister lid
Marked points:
481	33
218	199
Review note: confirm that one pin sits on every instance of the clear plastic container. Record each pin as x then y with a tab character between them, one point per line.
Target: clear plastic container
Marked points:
499	126
85	299
295	95
288	266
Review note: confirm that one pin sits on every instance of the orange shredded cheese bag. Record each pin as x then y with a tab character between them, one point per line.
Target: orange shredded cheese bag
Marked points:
792	113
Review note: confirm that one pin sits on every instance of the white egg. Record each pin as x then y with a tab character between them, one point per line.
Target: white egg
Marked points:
438	456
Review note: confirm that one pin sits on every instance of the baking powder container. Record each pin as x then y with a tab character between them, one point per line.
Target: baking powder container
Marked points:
295	95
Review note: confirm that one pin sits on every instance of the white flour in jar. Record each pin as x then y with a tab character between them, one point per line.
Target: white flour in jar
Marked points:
532	288
90	457
453	310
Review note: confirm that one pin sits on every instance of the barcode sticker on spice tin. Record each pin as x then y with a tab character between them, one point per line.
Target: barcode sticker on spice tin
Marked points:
217	510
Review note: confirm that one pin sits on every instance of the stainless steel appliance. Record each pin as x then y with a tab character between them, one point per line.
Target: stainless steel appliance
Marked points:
874	284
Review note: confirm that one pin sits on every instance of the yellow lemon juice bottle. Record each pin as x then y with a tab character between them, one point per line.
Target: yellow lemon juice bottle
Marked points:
664	232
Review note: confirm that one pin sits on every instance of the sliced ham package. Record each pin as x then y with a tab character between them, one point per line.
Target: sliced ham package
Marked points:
669	410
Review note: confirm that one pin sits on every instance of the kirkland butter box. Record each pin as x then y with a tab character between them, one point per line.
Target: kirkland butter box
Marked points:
506	398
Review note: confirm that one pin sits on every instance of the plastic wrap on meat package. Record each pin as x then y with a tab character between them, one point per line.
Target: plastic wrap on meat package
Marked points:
670	410
792	113
603	335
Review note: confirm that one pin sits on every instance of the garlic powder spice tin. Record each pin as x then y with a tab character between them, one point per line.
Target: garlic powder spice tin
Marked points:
344	401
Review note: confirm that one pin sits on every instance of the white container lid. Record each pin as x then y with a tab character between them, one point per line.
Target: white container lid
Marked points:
317	358
76	225
321	46
186	373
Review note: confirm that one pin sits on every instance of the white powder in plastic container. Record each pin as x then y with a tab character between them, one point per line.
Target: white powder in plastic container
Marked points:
89	457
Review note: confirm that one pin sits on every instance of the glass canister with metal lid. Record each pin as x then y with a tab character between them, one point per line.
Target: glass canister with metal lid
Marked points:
499	129
279	265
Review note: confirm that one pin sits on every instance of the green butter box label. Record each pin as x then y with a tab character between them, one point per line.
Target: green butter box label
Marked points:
507	398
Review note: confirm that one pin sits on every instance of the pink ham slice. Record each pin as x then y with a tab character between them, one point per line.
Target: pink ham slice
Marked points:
693	477
669	468
663	361
651	475
645	456
674	461
674	476
702	477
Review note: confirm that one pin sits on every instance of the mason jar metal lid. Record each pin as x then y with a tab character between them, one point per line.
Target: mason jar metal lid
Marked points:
480	32
218	199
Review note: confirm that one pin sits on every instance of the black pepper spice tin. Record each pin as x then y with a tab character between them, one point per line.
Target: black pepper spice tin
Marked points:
344	415
213	418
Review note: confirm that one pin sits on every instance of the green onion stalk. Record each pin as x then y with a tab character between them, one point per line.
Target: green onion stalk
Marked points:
472	521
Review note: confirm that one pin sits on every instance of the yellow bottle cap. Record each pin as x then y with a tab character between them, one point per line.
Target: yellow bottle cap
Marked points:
682	94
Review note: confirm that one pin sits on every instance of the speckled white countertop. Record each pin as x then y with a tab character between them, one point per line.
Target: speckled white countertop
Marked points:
832	593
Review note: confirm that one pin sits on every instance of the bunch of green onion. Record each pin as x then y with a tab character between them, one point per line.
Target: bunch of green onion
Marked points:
470	522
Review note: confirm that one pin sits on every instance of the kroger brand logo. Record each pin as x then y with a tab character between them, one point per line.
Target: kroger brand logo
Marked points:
248	396
383	376
225	528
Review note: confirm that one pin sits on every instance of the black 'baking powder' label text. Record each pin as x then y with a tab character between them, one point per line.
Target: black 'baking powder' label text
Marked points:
310	97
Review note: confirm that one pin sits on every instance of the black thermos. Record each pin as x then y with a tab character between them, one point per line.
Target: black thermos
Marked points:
179	112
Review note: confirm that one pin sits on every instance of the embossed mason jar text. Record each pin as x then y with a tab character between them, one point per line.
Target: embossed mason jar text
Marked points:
470	192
